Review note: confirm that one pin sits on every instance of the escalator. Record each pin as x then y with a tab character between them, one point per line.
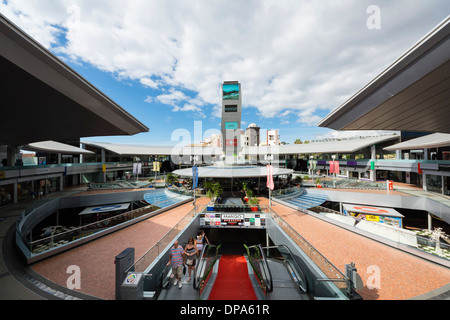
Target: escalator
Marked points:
233	281
269	273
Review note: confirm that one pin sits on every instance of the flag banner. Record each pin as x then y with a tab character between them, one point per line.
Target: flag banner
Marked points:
270	177
135	168
194	177
331	166
139	168
336	167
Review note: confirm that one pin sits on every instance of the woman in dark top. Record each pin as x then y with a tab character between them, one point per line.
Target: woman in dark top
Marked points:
190	252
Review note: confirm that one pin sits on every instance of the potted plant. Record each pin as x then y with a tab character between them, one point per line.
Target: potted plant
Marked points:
210	195
318	185
248	195
253	202
217	190
298	180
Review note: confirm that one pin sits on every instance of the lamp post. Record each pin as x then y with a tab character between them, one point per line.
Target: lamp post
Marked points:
334	171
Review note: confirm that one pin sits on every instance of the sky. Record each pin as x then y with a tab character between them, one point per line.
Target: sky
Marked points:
164	61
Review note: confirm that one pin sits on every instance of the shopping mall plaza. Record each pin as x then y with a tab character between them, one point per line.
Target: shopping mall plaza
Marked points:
338	219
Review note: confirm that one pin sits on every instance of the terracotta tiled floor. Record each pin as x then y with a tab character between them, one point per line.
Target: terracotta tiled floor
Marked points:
96	258
402	275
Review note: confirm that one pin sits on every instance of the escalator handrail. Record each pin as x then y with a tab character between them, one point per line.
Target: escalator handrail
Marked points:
296	267
269	283
166	270
201	262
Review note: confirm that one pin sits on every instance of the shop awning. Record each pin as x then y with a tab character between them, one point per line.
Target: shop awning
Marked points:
377	211
55	147
105	208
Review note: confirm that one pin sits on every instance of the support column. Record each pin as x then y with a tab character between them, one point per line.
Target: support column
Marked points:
430	222
11	152
103	162
373	157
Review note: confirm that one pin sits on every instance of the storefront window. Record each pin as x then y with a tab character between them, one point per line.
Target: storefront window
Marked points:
6	194
434	183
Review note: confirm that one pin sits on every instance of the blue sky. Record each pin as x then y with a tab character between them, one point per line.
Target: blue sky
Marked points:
164	61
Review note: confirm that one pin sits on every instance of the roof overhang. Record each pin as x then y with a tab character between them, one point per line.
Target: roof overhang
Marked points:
411	95
44	99
134	150
343	146
435	140
55	147
230	171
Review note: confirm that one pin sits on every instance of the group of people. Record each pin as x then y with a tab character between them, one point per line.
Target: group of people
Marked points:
187	256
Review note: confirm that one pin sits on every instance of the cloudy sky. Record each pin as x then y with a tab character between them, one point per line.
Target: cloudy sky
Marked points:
164	60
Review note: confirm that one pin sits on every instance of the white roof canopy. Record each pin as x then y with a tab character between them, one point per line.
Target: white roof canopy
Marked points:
133	150
343	146
226	171
434	140
377	211
105	208
54	147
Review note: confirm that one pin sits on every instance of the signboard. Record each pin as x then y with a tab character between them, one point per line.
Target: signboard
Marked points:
231	91
231	125
387	216
233	220
231	108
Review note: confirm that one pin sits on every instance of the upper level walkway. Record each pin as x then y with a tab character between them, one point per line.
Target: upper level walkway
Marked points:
401	275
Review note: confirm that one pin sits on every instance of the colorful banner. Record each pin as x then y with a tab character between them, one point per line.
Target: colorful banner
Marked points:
194	177
270	184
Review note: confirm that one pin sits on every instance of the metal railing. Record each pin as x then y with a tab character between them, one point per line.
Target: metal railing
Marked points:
297	275
143	262
71	234
203	271
258	261
333	274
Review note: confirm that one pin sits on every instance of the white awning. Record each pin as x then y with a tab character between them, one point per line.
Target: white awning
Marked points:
134	150
245	171
332	146
105	208
376	211
54	147
434	140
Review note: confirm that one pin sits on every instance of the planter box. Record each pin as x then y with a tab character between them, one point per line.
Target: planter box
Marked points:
254	208
210	208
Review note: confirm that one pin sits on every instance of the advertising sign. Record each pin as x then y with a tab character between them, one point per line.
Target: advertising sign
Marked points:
231	125
231	108
231	91
233	220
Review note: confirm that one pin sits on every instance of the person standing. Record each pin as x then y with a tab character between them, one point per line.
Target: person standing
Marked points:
201	239
176	260
190	253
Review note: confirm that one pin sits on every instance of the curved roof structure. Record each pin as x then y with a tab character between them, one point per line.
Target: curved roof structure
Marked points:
43	98
55	147
411	95
232	171
435	140
333	146
132	150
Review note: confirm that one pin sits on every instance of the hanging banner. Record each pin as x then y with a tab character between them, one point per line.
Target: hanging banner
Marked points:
194	177
270	177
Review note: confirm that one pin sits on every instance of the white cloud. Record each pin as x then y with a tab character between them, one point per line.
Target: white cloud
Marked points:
292	57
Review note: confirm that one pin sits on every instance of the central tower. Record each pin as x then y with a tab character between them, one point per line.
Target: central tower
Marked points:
231	117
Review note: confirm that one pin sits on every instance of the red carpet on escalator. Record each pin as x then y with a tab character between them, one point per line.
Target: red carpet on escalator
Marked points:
232	282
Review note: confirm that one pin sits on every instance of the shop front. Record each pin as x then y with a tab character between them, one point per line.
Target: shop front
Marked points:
388	216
